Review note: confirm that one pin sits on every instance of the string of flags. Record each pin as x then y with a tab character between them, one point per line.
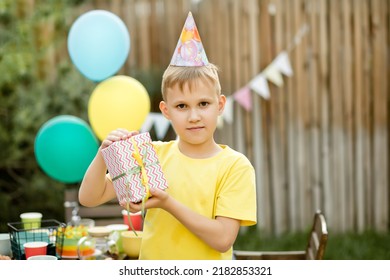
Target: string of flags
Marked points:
259	84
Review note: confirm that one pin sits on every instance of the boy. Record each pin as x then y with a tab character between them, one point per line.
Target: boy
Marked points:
211	188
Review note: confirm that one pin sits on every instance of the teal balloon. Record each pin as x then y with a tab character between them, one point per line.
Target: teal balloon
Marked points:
64	147
98	44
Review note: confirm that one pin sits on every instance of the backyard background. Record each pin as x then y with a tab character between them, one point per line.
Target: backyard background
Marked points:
316	130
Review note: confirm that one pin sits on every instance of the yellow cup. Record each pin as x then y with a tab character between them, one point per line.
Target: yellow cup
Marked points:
31	220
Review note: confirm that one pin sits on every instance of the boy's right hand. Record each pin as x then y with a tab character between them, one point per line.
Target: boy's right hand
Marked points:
117	135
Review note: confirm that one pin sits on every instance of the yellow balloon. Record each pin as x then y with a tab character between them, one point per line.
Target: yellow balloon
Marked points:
118	102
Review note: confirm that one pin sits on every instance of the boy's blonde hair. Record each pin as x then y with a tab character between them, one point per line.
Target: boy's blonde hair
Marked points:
181	75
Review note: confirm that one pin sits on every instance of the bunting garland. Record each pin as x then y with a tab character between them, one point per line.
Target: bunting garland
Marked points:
159	122
259	84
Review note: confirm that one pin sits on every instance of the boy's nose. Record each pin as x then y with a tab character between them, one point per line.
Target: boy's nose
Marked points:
194	115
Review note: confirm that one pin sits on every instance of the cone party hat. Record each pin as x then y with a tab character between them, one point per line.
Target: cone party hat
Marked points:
189	50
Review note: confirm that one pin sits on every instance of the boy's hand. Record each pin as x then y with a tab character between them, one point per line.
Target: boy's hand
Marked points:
158	199
117	135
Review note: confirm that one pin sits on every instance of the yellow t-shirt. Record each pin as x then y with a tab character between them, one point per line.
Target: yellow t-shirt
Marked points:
222	185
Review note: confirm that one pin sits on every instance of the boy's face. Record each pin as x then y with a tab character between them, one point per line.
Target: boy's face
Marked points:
193	112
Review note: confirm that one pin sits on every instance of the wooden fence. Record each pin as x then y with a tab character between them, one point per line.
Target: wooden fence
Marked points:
321	140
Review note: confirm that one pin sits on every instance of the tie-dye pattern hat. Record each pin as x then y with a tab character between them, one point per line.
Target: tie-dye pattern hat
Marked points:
189	50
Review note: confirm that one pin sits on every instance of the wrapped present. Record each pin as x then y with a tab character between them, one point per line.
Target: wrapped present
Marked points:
134	167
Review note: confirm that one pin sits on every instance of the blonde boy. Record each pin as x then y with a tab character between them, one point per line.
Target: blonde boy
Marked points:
211	188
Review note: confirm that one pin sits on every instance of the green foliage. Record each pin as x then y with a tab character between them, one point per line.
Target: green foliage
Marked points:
28	100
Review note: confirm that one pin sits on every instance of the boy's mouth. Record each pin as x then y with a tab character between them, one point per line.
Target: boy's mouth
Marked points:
195	128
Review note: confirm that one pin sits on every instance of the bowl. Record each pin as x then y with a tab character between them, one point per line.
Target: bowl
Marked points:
5	244
131	243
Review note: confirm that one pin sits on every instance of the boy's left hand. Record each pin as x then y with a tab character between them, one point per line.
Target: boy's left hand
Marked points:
158	199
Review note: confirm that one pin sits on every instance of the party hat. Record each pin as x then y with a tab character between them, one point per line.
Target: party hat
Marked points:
189	50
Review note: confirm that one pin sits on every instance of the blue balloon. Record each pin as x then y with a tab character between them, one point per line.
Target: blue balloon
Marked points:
98	44
64	147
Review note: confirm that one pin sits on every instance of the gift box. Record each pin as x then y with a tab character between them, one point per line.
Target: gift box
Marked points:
134	167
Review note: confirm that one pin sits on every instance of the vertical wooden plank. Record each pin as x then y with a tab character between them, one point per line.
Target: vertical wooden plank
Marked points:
264	47
258	157
346	76
154	34
115	7
143	21
225	41
325	109
243	37
300	108
314	104
292	177
129	17
337	131
238	127
358	104
276	126
380	117
305	153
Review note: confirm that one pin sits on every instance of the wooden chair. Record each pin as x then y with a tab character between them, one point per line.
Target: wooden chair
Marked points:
315	248
106	214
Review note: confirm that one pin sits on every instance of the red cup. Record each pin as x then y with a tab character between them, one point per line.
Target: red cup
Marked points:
35	248
136	220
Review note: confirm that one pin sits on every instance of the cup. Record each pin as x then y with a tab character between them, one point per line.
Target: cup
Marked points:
5	244
136	220
31	220
42	258
117	229
35	248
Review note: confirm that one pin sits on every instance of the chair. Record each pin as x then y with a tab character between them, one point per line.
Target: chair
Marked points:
315	248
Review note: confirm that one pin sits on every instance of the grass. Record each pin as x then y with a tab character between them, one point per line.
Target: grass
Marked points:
349	246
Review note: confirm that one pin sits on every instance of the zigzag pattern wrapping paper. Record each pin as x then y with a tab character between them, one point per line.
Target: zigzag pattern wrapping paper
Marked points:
121	164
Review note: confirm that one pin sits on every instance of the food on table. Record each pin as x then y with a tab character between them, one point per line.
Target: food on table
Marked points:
72	235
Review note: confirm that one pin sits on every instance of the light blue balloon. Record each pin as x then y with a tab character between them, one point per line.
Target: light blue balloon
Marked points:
64	148
98	44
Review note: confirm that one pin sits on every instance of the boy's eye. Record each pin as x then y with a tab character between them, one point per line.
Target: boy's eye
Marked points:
203	104
181	106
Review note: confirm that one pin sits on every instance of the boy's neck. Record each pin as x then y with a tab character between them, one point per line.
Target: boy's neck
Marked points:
199	151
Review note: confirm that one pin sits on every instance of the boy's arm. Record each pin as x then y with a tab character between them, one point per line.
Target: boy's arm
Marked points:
219	233
96	188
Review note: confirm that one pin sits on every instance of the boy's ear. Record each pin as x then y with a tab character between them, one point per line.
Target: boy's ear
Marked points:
164	109
221	103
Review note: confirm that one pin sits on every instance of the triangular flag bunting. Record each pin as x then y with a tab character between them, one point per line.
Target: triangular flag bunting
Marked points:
148	123
244	98
282	62
161	125
272	74
260	85
228	111
220	122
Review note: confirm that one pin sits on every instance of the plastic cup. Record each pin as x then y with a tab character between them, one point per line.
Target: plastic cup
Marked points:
117	229
136	219
42	258
35	248
31	220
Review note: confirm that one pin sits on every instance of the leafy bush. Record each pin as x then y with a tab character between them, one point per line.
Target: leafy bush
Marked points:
28	99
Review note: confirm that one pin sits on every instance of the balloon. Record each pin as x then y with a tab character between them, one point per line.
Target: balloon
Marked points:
64	148
98	44
118	102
